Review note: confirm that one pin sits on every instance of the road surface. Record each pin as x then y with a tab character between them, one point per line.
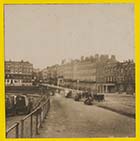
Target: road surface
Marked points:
68	118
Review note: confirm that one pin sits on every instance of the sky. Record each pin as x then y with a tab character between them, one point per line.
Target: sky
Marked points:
46	34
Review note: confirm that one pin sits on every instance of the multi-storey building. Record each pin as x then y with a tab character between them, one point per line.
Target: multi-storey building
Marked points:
110	76
37	76
76	72
101	85
125	80
101	73
45	73
122	74
49	74
18	73
86	73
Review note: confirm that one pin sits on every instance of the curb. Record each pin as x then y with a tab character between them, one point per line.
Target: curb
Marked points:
117	111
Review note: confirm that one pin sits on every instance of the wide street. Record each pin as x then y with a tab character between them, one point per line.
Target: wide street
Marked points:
68	118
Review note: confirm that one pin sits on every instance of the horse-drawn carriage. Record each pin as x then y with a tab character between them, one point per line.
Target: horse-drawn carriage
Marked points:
23	105
10	105
99	97
18	104
68	93
78	96
90	97
87	96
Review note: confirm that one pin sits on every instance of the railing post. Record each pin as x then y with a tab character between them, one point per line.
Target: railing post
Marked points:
48	106
22	128
17	130
43	113
6	134
37	123
31	126
40	118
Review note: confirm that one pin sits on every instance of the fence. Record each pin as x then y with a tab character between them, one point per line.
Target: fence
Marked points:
14	127
30	124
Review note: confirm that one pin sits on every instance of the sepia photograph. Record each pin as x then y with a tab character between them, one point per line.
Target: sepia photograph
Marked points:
69	70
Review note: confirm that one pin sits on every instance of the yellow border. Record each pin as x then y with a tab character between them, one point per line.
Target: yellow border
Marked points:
137	50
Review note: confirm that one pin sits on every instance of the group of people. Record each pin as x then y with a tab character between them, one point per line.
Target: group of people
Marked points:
88	96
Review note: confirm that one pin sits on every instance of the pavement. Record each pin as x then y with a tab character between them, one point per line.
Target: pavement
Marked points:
70	119
120	103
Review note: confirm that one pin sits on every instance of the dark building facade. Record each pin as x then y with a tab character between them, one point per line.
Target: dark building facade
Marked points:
122	74
125	80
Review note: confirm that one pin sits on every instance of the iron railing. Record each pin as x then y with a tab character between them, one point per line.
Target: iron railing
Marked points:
29	126
14	127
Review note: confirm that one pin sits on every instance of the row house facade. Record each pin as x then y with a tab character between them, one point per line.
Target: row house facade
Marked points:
86	73
110	76
101	73
37	76
122	74
18	73
101	85
125	80
49	74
